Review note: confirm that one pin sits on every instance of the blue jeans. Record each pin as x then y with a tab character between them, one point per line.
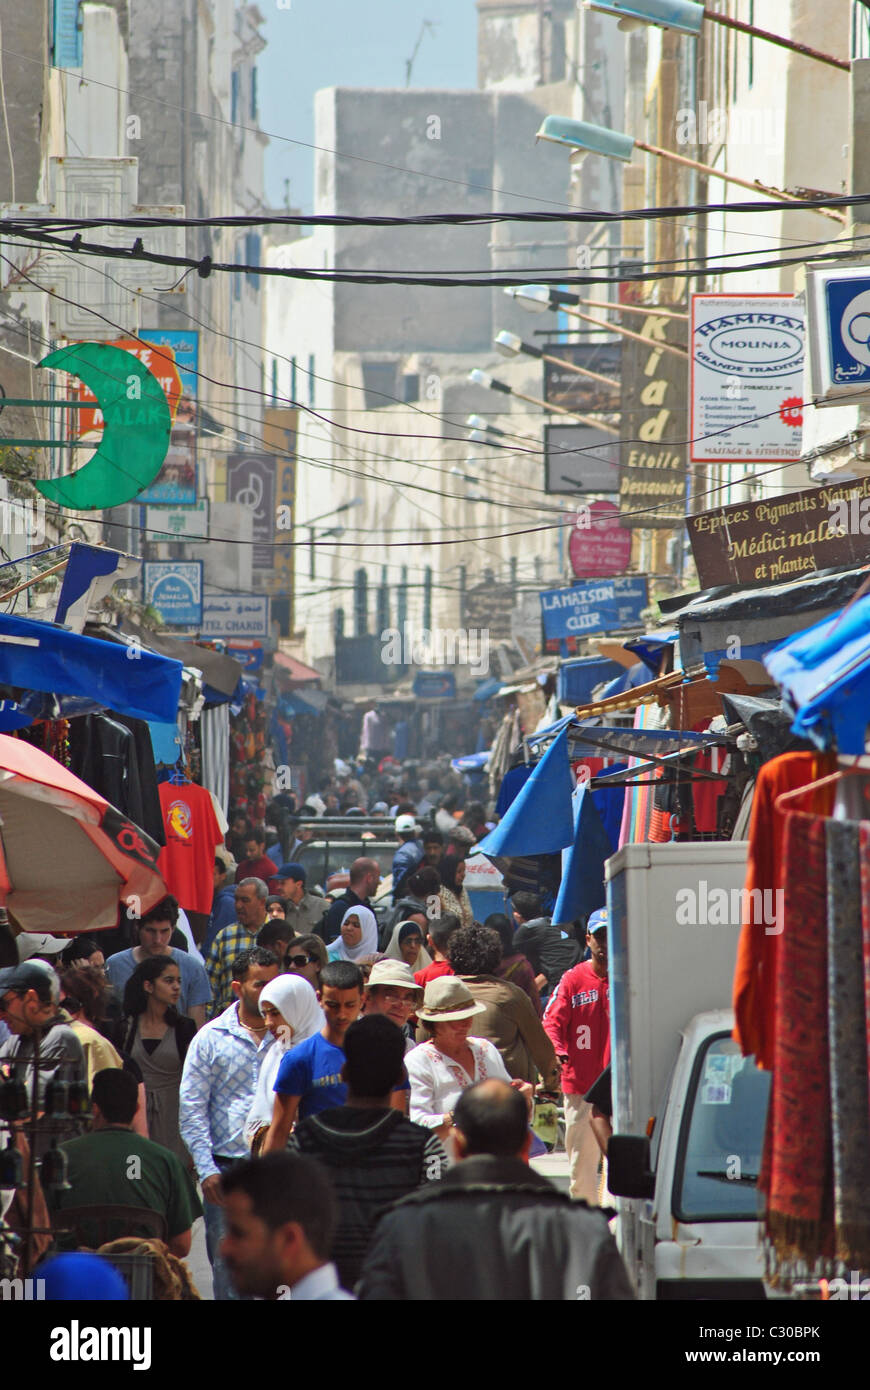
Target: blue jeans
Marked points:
215	1227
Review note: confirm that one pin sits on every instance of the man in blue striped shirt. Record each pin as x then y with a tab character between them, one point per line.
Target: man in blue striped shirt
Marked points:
217	1091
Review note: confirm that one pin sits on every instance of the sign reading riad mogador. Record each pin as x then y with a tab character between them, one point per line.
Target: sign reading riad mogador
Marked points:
655	385
136	430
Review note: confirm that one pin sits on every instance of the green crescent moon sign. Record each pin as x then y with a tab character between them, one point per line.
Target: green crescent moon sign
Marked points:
136	433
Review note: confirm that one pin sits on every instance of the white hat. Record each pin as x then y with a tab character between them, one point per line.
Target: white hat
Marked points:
406	825
447	998
392	972
32	944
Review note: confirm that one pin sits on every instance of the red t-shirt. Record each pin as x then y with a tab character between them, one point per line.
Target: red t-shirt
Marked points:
192	835
257	868
432	972
577	1022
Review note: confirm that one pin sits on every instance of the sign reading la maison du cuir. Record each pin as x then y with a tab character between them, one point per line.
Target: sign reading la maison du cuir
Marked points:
655	386
782	538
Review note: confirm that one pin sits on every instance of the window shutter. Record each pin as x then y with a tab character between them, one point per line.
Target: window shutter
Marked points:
67	37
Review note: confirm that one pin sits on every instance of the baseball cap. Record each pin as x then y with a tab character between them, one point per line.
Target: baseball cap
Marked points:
30	974
406	825
36	944
294	871
597	921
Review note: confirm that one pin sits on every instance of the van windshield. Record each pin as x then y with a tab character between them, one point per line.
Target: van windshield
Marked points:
722	1137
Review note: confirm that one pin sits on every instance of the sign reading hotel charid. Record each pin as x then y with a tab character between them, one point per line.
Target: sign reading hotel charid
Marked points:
782	538
652	488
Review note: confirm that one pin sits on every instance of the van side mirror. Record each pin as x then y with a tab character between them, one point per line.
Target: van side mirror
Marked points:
628	1166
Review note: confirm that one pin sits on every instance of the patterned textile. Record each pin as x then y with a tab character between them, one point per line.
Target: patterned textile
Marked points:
219	963
218	1085
797	1167
847	1025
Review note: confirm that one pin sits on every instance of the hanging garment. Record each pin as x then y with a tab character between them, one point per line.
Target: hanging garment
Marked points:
847	1037
152	817
113	755
796	1174
192	835
215	733
757	950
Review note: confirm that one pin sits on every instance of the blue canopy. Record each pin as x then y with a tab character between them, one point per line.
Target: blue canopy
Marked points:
824	674
582	888
42	657
471	762
539	820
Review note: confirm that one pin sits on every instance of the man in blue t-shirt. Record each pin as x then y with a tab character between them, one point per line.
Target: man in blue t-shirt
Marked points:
309	1077
155	932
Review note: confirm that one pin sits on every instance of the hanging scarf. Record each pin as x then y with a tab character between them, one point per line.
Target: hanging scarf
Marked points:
796	1170
847	1025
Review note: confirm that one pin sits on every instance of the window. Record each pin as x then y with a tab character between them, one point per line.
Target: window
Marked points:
410	387
234	96
274	381
67	34
379	381
292	378
254	111
722	1135
253	246
311	378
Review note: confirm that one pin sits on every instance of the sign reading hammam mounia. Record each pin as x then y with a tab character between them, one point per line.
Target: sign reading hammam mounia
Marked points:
136	431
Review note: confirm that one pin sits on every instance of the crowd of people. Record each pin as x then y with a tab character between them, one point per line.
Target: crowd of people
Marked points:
333	1080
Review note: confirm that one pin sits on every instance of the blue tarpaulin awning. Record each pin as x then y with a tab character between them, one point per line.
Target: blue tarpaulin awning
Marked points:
824	674
43	657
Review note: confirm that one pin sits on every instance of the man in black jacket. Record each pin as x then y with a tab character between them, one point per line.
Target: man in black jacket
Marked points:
364	879
550	949
492	1228
373	1153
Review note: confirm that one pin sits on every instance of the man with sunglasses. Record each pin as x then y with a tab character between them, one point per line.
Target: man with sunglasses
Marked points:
29	995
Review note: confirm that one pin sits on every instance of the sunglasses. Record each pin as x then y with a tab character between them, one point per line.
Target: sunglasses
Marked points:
301	960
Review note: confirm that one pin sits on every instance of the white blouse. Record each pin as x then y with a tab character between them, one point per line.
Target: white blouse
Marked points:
437	1081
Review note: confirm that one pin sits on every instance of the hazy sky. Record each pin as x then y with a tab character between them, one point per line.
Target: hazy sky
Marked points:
349	43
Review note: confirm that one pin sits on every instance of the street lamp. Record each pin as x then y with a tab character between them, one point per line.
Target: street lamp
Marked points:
687	17
537	299
492	383
613	144
510	345
334	530
547	297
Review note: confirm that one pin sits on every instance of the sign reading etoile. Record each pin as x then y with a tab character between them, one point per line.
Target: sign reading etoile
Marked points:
602	547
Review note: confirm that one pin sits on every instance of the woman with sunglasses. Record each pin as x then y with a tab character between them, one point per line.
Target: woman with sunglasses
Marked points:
306	956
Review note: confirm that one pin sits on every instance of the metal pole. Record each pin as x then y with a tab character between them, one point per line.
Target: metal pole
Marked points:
742	27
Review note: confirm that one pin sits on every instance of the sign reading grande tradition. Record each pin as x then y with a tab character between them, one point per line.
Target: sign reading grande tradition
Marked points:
747	378
652	487
782	538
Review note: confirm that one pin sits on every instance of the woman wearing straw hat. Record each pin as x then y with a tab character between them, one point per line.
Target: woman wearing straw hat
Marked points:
440	1068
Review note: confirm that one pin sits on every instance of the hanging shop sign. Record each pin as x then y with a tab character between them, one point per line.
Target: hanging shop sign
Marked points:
280	429
434	685
598	545
838	333
174	589
235	615
251	484
599	606
584	393
249	654
177	523
136	428
747	378
172	356
653	456
580	458
784	537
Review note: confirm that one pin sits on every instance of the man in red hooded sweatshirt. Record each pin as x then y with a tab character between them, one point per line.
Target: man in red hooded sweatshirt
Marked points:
577	1022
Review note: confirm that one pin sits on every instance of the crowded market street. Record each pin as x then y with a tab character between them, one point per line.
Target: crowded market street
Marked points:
435	670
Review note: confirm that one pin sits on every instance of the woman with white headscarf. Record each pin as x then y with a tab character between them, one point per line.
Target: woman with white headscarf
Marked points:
358	936
406	944
289	1005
